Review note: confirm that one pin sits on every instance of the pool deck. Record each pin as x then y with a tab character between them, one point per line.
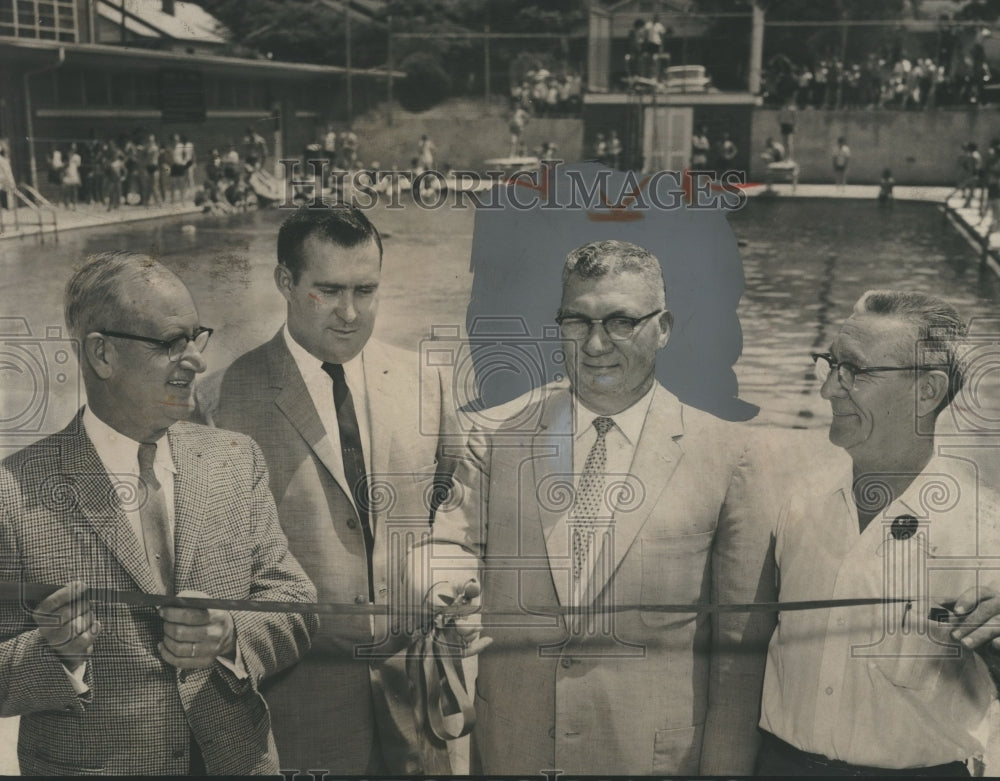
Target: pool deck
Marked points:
966	220
85	216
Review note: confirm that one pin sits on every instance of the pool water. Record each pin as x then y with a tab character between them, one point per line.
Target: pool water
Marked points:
805	262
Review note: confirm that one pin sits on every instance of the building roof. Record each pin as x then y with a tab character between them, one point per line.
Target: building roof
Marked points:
118	54
146	18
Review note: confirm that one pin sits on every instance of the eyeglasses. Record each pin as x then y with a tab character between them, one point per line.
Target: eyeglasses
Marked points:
619	328
847	372
175	347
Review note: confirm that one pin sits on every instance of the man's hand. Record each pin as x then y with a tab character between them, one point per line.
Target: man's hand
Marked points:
977	619
445	597
194	637
66	623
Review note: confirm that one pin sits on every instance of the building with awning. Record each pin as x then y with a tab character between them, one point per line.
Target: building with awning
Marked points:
77	70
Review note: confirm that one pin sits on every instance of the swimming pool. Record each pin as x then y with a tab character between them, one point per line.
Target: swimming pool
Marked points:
805	262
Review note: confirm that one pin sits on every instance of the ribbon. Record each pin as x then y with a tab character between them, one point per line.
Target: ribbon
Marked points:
14	591
443	703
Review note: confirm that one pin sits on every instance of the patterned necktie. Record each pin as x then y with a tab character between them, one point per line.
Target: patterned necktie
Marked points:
155	523
589	501
353	453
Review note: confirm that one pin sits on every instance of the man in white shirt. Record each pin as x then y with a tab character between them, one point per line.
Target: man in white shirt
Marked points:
607	496
352	430
149	503
872	689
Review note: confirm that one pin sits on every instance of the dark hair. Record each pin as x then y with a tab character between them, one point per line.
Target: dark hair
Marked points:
940	331
344	225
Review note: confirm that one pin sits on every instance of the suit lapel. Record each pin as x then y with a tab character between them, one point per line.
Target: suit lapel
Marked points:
552	465
190	506
657	454
96	500
296	404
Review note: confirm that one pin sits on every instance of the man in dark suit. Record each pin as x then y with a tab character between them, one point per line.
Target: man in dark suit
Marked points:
352	430
606	495
131	497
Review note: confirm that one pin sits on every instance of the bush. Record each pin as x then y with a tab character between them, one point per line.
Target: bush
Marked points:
427	83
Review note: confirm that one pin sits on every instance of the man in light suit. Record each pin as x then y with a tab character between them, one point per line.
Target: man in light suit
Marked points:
604	494
347	709
119	689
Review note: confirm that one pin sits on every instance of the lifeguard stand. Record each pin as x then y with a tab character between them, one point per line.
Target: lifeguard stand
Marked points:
655	110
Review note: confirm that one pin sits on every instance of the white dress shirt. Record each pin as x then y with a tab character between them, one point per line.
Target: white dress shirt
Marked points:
320	387
880	685
120	456
620	442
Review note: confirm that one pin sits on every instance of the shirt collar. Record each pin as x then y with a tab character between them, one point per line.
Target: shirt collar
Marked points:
629	421
118	453
309	364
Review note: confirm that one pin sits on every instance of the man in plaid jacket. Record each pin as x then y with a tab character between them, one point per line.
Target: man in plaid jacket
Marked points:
129	496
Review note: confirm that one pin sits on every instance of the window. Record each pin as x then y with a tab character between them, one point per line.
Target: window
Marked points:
50	20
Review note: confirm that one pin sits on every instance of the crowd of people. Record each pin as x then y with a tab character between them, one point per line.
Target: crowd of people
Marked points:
979	181
880	80
542	93
143	170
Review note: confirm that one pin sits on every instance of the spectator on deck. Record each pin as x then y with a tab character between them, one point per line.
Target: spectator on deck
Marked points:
178	170
601	149
516	127
71	178
885	197
841	159
774	152
256	149
348	149
55	166
614	150
652	45
700	149
7	183
727	153
425	152
149	171
636	39
786	121
114	173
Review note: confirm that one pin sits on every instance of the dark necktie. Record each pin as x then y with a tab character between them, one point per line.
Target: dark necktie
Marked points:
353	453
155	523
589	501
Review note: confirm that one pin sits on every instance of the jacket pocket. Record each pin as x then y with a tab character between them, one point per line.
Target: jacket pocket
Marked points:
677	751
673	572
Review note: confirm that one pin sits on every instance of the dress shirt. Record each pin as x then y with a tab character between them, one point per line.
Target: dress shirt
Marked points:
320	388
863	684
620	442
120	456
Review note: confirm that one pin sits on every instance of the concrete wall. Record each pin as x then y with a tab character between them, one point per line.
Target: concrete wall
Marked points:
462	142
921	147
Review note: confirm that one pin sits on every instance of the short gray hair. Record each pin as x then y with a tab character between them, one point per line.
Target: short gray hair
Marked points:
940	330
612	257
94	294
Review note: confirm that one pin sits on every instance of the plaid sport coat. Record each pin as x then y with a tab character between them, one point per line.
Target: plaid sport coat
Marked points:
61	518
